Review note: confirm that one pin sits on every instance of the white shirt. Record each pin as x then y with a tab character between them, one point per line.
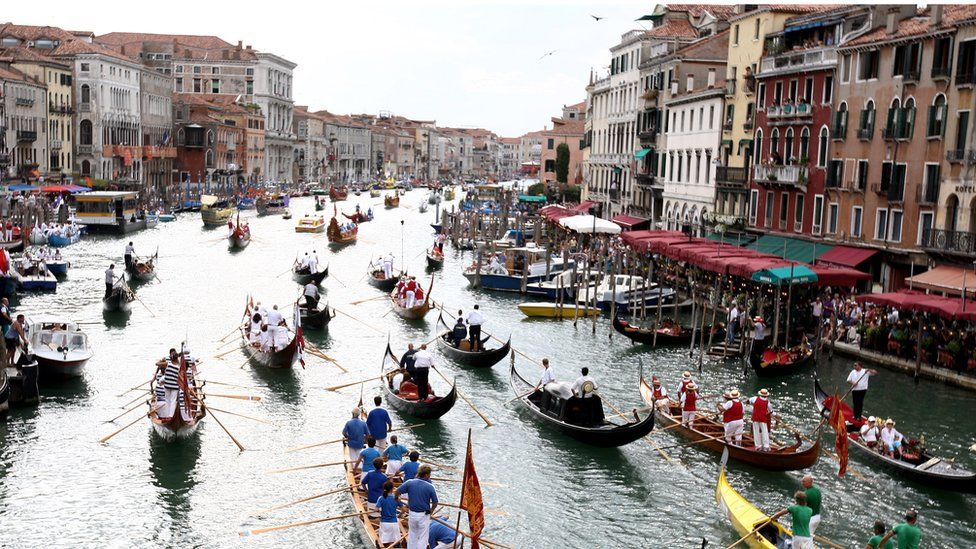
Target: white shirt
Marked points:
859	379
475	318
397	381
869	433
760	331
817	309
110	276
423	359
129	249
274	317
548	376
311	290
578	385
734	314
313	264
890	436
304	262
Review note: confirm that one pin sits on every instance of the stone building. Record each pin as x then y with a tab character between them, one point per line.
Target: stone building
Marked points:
23	127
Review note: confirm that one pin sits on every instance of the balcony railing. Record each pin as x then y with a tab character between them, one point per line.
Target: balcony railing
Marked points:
801	110
60	109
953	242
159	152
955	155
941	72
782	175
911	76
727	127
84	107
24	102
865	133
55	144
730	176
86	149
798	61
26	135
730	87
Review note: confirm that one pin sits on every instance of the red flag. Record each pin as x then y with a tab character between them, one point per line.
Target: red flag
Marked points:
471	500
4	262
839	424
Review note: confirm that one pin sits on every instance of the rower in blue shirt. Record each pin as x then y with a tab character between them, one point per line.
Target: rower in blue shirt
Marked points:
441	536
410	468
378	422
355	434
394	456
373	482
421	502
367	455
389	523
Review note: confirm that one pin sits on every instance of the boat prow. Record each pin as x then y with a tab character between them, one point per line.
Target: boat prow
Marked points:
745	517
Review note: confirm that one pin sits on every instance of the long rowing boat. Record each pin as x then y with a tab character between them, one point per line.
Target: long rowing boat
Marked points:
746	517
781	362
191	398
369	526
668	333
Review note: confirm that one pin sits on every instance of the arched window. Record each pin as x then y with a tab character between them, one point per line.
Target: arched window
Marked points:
85	167
85	127
840	121
759	144
210	137
788	146
865	126
85	93
774	155
894	118
210	158
937	117
804	152
908	118
822	147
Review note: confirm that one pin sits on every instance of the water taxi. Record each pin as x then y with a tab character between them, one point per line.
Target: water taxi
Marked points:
60	347
111	211
310	224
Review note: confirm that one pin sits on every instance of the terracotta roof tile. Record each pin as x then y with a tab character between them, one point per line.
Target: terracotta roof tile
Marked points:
33	32
720	12
581	106
12	74
919	25
676	28
566	127
188	40
785	8
27	55
76	47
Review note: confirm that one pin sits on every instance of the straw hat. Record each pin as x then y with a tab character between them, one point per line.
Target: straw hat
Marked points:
734	393
655	380
763	393
878	421
686	374
890	421
691	387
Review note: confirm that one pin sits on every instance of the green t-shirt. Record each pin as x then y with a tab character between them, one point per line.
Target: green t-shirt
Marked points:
873	543
908	536
813	499
801	520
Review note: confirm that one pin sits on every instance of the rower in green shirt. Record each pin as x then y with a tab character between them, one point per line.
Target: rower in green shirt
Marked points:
875	541
907	534
800	513
813	501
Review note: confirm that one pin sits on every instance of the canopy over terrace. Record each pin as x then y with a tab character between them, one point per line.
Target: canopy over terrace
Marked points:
556	212
946	307
588	224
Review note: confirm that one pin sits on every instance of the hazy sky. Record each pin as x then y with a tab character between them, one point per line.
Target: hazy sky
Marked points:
463	63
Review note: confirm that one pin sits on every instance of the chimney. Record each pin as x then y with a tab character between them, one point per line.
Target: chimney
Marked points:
690	86
936	14
711	78
674	87
892	22
240	44
248	47
224	54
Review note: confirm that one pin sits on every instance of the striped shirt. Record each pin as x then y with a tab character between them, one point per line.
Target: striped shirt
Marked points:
171	377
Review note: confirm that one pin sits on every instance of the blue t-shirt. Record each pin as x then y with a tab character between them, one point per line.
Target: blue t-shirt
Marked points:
355	433
438	533
421	495
395	452
373	481
368	455
409	470
377	422
388	507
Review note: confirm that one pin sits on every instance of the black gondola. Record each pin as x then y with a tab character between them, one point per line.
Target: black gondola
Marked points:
430	409
579	418
670	333
921	466
317	319
121	297
434	260
771	362
303	275
485	358
379	281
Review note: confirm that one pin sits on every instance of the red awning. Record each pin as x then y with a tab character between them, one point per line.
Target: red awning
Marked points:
632	238
845	256
583	206
838	276
629	222
64	189
946	307
555	211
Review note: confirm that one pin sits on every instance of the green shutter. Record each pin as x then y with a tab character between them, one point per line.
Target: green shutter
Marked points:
930	129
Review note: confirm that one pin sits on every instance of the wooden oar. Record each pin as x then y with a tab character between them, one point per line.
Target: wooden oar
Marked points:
304	467
487	511
646	437
248	359
371	327
753	531
822	448
302	523
212	382
317	444
143	395
523	355
127	391
230	334
690	442
213	415
483	483
679	424
468	535
442	466
312	349
237	397
384	296
144	305
105	439
303	500
343	386
488	423
225	353
241	415
136	407
519	397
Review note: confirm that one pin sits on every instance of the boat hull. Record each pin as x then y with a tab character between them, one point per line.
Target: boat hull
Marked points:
745	517
54	368
238	242
780	369
553	310
58	241
431	409
317	320
279	359
305	278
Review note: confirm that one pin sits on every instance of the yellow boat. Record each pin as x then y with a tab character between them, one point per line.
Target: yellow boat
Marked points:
553	310
310	224
745	516
215	211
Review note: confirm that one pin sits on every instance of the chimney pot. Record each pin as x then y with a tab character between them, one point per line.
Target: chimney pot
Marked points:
711	78
240	43
892	25
936	14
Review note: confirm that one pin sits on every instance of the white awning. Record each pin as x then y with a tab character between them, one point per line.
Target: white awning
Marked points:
586	224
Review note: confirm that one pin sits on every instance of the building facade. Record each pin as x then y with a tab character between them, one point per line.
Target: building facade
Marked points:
23	128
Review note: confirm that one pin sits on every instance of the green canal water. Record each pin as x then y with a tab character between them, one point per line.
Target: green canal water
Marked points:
60	488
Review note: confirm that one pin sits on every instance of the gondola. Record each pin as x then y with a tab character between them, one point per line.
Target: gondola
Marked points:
285	357
240	235
121	297
781	362
435	259
374	193
143	270
303	275
379	281
417	312
432	408
316	319
338	194
580	418
781	457
337	237
392	200
178	427
919	465
271	204
485	358
359	217
670	332
746	517
4	394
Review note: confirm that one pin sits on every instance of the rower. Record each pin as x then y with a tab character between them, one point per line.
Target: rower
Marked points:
171	384
891	439
732	414
879	530
313	263
907	533
355	433
661	400
762	412
441	535
475	320
689	408
373	482
422	501
423	362
685	381
254	333
870	432
584	386
109	280
387	504
410	293
311	296
814	497
394	456
408	359
858	380
548	375
130	251
758	336
274	321
367	455
410	468
388	266
801	513
378	422
459	333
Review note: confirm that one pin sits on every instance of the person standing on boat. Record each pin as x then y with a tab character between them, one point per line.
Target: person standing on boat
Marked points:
109	280
762	413
661	400
410	468
355	434
475	320
858	380
422	501
685	382
732	414
814	497
801	513
548	375
408	360
313	263
733	323
907	533
5	319
311	296
13	336
689	408
171	386
758	336
387	504
423	361
130	252
274	321
388	266
378	422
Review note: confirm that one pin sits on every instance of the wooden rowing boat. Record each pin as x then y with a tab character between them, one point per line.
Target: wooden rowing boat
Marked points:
432	408
746	517
709	433
240	235
339	238
483	358
670	332
917	464
377	278
580	418
417	312
776	361
178	427
317	319
121	297
303	275
391	200
338	195
435	259
273	358
369	526
143	270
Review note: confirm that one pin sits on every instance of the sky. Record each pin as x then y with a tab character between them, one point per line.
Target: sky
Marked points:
463	63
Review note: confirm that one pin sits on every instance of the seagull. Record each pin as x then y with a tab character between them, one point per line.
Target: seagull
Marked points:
547	54
596	17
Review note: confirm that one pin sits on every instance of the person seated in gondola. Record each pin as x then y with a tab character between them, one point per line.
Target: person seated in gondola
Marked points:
870	432
891	439
459	333
584	386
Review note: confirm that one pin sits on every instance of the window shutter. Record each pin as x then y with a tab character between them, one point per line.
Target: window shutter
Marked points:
930	129
885	175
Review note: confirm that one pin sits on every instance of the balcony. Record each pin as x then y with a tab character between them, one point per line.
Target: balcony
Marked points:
950	242
727	176
798	61
941	73
646	180
879	188
955	156
60	109
86	149
865	133
788	114
26	135
55	144
727	127
158	152
791	176
730	87
24	102
747	125
911	77
84	107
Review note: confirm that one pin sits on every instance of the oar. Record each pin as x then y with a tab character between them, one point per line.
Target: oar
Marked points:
523	355
304	467
317	444
213	415
249	357
144	305
488	423
134	388
753	531
371	327
225	353
826	541
105	439
646	437
822	448
468	535
302	523
240	415
136	407
638	410
679	424
212	382
486	510
238	397
143	395
483	483
442	466
343	386
520	397
303	500
689	443
384	296
230	334
318	352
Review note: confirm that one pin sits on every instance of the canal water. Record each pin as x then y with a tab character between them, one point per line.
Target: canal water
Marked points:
59	487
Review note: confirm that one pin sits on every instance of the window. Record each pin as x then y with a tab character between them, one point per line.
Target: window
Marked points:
196	85
793	87
906	61
550	143
856	215
249	87
768	221
908	119
550	165
778	93
761	99
85	93
942	57
938	112
249	72
753	206
215	70
178	85
839	128
788	146
85	67
925	222
196	70
865	126
881	225
85	129
966	64
961	128
691	120
828	90
930	190
833	211
758	149
735	35
861	182
682	120
784	209
818	201
804	152
798	214
774	147
755	31
808	91
711	117
822	147
868	64
179	68
845	69
896	217
215	86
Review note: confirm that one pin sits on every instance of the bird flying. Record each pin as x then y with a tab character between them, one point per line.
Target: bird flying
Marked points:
596	17
547	54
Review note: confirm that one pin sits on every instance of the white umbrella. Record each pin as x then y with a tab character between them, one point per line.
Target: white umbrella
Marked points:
586	224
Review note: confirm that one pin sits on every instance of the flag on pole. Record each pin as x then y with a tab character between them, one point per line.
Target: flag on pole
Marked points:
838	422
299	336
471	500
4	262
